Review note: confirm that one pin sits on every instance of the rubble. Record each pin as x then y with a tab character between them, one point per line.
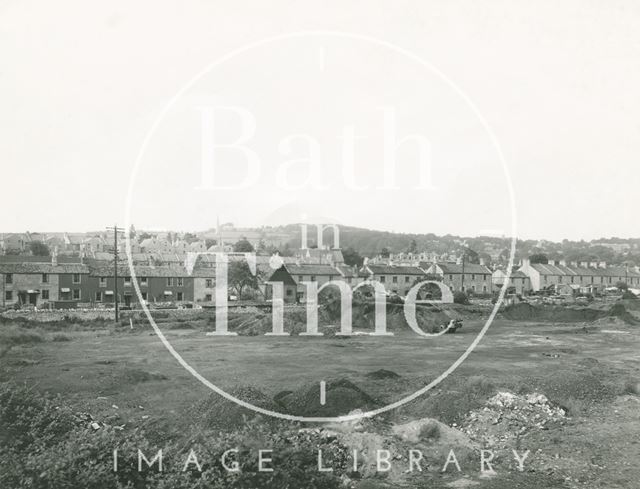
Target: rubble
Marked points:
506	417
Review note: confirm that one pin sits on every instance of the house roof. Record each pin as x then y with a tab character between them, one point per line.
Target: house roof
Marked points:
454	268
347	271
282	275
395	270
35	267
562	270
310	269
141	271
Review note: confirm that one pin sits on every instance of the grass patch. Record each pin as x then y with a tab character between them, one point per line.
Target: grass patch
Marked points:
430	431
60	337
631	387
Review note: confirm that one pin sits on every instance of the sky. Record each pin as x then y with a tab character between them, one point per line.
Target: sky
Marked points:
520	117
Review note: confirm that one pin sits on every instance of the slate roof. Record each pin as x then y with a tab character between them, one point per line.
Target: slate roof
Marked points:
562	270
141	271
454	268
310	269
36	268
395	270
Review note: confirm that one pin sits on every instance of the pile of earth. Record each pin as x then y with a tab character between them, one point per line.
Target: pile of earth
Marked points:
529	312
216	412
507	417
342	396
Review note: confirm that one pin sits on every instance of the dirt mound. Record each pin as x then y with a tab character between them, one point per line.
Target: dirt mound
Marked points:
431	432
507	417
383	374
342	396
524	311
217	412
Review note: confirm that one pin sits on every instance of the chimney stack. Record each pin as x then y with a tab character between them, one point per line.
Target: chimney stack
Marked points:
584	264
552	262
563	263
593	264
602	264
54	256
574	264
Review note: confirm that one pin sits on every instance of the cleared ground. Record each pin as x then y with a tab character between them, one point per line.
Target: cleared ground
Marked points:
128	378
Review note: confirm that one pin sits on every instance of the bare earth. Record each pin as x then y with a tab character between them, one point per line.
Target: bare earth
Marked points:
128	378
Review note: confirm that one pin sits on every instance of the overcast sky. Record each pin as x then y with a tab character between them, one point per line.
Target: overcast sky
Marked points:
82	83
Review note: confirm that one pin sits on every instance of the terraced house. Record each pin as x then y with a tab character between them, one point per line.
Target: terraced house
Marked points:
168	283
465	277
397	279
41	284
591	277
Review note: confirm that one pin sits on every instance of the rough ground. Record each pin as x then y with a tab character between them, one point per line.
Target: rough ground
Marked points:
567	391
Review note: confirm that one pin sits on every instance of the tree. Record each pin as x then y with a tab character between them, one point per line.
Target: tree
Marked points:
460	297
38	248
539	258
210	242
622	286
352	257
385	252
243	246
240	277
413	246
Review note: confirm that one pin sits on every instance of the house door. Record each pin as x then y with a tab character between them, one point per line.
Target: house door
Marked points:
127	300
33	298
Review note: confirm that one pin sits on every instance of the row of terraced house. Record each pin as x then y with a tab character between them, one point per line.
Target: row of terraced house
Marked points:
69	282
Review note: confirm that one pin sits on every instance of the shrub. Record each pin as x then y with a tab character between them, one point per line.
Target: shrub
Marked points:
61	337
460	297
430	431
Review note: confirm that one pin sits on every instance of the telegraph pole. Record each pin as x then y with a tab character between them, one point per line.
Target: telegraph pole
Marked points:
115	230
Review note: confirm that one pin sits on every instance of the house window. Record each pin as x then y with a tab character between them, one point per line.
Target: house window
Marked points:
406	280
179	282
76	278
313	278
207	297
144	296
8	295
76	294
451	278
395	279
484	288
45	295
560	280
9	278
127	280
208	283
300	278
169	281
98	296
45	278
382	278
349	280
179	296
289	292
473	276
103	281
143	281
